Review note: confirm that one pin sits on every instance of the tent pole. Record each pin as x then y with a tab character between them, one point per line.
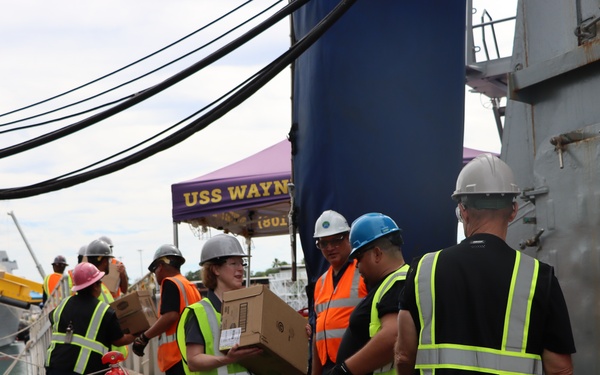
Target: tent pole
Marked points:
294	262
292	228
248	243
175	235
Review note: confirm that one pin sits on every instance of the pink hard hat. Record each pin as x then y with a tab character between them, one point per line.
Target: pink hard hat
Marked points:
84	275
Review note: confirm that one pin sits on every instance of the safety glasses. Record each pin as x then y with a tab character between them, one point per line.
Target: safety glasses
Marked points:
333	242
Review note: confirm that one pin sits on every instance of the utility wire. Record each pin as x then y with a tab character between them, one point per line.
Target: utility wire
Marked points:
128	65
67	116
162	132
268	73
153	90
131	80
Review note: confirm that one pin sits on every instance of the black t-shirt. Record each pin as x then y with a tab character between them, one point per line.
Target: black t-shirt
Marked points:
357	333
169	297
78	311
472	282
193	334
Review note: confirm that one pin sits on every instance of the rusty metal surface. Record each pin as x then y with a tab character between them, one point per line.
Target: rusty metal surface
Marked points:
551	140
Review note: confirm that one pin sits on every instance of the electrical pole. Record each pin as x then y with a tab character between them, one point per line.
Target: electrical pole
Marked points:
141	264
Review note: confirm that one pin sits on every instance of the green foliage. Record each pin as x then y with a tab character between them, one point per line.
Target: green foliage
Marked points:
193	275
265	273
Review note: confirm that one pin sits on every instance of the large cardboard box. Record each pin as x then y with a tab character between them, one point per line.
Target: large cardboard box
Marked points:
136	311
255	316
112	279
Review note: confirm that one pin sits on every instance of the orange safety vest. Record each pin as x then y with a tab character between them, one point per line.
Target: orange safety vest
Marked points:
116	294
168	351
333	308
50	282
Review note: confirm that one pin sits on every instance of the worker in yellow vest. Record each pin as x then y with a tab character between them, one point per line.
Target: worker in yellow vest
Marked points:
83	328
198	331
480	306
99	253
123	277
368	343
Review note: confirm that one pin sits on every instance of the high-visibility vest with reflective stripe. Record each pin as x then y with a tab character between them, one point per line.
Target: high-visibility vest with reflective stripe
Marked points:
116	294
375	322
333	307
106	297
87	342
209	321
511	358
70	282
168	352
50	282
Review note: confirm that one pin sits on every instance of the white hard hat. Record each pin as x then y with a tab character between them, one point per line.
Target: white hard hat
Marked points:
486	175
330	223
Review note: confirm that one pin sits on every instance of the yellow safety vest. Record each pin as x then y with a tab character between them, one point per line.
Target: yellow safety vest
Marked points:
375	322
87	343
511	358
106	297
210	325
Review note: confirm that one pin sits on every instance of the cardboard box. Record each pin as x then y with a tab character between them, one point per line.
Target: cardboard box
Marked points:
255	316
136	311
112	280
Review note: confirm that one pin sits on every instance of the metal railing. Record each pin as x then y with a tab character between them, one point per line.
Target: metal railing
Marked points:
483	37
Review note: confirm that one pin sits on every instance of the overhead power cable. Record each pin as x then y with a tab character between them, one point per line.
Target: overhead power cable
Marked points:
126	66
127	82
65	117
266	75
155	136
153	90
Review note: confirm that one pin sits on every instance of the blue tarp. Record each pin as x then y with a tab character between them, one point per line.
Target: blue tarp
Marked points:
378	119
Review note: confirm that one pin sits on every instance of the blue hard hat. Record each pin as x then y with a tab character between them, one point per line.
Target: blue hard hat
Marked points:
368	228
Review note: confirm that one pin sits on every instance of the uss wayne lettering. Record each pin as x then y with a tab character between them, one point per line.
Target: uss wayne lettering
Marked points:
236	192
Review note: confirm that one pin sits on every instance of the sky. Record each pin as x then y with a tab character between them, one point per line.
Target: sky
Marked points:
60	45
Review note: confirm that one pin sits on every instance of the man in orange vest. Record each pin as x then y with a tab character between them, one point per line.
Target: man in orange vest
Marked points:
337	291
51	281
176	293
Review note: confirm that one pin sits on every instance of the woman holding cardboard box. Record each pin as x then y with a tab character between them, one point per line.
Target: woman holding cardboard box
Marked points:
198	332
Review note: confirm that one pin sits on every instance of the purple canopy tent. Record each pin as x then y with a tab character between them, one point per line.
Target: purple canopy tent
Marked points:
470	153
248	198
